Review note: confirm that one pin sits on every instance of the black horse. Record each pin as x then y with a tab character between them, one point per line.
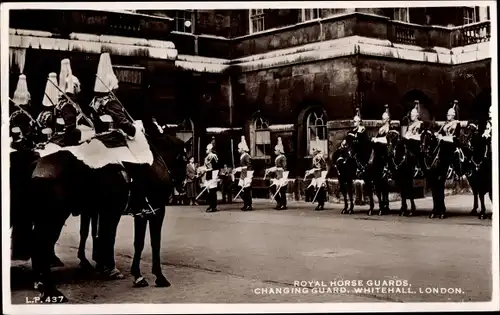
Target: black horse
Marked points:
402	164
72	185
478	167
378	173
362	152
345	165
173	154
436	159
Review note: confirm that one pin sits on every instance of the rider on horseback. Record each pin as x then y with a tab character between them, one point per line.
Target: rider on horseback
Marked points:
112	126
381	138
46	117
66	114
449	136
22	125
412	136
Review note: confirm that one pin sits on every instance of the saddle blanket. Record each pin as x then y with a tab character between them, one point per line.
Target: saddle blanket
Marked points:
96	155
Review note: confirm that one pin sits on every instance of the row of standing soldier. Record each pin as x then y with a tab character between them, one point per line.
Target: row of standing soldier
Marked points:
57	123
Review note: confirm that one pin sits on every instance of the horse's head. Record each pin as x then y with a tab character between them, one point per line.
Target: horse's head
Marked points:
394	141
428	141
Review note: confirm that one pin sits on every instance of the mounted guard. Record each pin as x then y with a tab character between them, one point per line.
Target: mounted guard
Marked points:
318	183
359	130
380	140
118	132
211	176
22	125
412	137
46	118
449	136
281	179
66	112
246	174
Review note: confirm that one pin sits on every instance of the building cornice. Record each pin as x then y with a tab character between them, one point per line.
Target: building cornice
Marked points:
89	43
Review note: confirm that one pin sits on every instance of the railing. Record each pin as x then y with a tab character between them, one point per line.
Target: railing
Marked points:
404	34
473	34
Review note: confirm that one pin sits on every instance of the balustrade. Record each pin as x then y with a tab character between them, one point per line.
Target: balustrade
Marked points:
473	34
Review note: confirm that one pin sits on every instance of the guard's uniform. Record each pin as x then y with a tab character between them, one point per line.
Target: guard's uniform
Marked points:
412	138
318	183
210	164
450	143
22	126
112	126
66	131
246	175
280	182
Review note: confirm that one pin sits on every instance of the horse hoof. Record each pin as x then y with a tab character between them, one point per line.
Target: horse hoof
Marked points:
482	217
343	211
370	212
53	296
140	282
410	214
351	211
85	265
432	216
162	282
56	262
380	212
442	216
114	274
402	212
473	212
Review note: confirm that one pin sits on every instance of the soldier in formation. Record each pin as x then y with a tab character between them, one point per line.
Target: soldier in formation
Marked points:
318	183
280	182
211	173
46	117
245	180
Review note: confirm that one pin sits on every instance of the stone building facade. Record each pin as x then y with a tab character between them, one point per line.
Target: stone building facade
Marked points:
290	73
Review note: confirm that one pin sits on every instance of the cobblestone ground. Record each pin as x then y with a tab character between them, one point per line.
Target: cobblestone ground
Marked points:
234	257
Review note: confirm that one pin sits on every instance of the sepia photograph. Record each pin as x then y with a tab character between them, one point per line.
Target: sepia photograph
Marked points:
213	157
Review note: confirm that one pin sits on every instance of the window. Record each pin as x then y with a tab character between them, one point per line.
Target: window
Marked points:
262	139
256	20
316	127
471	15
185	132
310	14
180	17
402	14
129	74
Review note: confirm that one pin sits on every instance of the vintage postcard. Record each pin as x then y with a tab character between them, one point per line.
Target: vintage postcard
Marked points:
249	157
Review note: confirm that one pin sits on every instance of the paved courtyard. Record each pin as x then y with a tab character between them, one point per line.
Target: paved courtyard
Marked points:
297	255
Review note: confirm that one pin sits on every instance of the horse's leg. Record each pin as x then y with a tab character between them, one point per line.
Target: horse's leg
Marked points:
401	182
44	233
434	189
84	233
349	188
442	204
475	193
343	190
413	208
93	221
140	225
482	214
369	190
380	196
155	229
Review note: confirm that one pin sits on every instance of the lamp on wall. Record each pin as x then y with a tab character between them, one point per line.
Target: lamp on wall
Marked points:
187	24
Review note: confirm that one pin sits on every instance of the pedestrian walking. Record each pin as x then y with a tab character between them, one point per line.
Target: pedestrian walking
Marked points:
191	181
